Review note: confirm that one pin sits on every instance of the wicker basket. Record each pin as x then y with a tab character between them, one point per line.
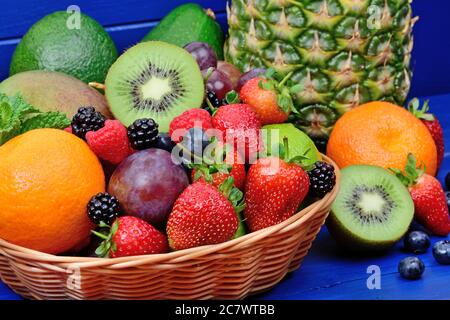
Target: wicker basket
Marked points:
232	270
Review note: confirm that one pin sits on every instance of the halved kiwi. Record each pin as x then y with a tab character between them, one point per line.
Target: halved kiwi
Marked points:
372	211
154	80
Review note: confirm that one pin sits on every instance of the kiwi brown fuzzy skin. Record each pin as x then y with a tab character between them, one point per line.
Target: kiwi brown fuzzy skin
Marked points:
351	242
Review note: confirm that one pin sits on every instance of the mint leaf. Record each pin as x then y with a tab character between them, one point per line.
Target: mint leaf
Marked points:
17	117
21	107
6	112
52	119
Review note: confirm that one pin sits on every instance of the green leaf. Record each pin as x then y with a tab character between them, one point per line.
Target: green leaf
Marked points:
55	120
6	112
17	117
197	175
270	73
296	89
285	103
21	107
232	97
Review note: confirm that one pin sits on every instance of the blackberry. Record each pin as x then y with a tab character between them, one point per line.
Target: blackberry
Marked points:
322	179
143	134
85	120
103	207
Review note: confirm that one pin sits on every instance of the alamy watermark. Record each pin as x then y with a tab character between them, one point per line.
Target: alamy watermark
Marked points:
374	280
74	20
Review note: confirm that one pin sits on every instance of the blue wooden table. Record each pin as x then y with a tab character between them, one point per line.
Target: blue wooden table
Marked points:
326	273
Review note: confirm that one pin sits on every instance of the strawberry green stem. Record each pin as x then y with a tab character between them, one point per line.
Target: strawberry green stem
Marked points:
285	79
412	172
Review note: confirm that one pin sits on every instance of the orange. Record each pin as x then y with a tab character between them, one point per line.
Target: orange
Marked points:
382	134
47	178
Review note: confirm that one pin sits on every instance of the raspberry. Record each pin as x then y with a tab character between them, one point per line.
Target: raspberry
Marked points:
110	143
86	120
187	120
103	207
322	179
143	134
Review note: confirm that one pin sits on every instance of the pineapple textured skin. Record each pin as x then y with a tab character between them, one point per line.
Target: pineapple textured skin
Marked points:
342	53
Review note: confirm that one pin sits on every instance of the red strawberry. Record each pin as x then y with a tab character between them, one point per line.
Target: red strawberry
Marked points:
430	202
202	215
217	173
187	120
265	102
273	192
110	143
131	236
432	124
240	127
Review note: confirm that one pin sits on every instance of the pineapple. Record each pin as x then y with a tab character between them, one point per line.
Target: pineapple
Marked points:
341	53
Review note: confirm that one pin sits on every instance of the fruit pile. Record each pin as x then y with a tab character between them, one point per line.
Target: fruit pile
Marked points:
167	146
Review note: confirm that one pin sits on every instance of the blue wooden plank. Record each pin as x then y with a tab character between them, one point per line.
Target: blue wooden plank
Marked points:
18	16
124	36
431	63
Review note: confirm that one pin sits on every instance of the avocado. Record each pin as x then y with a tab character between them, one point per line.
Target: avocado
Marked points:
83	50
188	23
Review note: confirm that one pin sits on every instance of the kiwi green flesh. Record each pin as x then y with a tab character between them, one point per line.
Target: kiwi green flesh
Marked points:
372	211
154	80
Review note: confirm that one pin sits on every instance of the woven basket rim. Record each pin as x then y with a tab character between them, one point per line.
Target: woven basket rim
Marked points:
180	255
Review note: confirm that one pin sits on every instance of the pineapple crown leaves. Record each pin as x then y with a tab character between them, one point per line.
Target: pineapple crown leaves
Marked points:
421	113
233	194
412	171
277	83
106	233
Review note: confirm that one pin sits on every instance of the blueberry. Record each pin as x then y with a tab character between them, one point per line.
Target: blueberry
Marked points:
164	142
441	252
411	268
447	181
416	242
193	144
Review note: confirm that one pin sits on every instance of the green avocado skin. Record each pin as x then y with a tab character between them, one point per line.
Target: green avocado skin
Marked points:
188	23
85	53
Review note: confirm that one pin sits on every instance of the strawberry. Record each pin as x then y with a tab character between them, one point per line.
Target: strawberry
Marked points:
110	143
430	202
270	99
274	190
240	127
131	236
432	124
188	120
216	172
204	215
